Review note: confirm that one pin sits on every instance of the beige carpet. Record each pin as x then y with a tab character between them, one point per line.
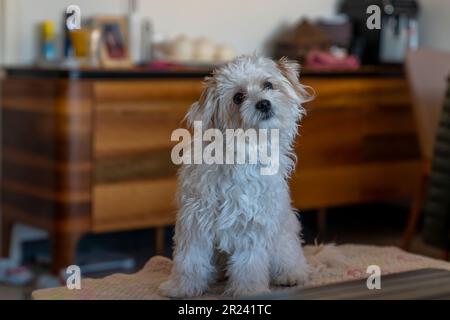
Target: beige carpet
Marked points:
329	265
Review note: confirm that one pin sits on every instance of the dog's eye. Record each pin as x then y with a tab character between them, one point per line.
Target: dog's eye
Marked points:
238	98
267	85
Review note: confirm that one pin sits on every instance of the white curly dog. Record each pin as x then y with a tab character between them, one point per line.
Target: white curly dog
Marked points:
231	218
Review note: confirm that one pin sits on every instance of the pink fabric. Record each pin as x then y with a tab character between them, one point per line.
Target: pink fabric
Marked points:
324	61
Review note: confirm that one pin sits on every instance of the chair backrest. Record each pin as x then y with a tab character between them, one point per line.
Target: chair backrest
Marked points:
428	71
436	227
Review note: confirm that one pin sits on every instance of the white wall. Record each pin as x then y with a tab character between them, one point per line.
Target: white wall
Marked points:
435	22
2	28
244	24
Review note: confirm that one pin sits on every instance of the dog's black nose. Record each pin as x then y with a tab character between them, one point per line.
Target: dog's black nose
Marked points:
263	105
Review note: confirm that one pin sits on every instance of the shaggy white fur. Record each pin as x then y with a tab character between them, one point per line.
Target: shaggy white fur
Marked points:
231	218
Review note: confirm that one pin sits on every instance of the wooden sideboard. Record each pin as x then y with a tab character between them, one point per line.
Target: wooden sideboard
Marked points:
89	151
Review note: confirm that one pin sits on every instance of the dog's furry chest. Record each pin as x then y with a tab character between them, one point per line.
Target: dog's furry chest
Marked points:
246	205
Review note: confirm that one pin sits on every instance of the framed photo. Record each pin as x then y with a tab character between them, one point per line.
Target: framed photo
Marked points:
114	52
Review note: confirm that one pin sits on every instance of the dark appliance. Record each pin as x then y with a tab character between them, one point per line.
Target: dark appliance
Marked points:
398	32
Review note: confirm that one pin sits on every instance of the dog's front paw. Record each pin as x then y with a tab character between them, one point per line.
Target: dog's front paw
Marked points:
173	289
169	289
292	278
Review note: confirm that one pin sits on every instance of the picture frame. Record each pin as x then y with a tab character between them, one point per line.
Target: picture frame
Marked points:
113	47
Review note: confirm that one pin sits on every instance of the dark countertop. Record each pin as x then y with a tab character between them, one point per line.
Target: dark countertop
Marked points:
179	72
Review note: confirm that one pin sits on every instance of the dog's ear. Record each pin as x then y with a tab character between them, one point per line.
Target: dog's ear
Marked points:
204	109
291	71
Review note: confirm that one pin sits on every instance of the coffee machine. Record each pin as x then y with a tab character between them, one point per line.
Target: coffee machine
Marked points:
398	34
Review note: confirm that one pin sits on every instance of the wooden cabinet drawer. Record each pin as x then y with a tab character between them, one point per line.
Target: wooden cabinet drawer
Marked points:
331	137
133	204
359	93
126	127
141	116
134	177
147	90
360	121
324	187
358	144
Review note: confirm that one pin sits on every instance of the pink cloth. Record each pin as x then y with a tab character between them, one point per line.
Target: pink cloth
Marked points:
323	61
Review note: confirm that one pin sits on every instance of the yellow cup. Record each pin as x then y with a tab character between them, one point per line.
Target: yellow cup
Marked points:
81	41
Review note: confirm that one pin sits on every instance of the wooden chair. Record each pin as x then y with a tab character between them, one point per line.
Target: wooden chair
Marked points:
427	72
